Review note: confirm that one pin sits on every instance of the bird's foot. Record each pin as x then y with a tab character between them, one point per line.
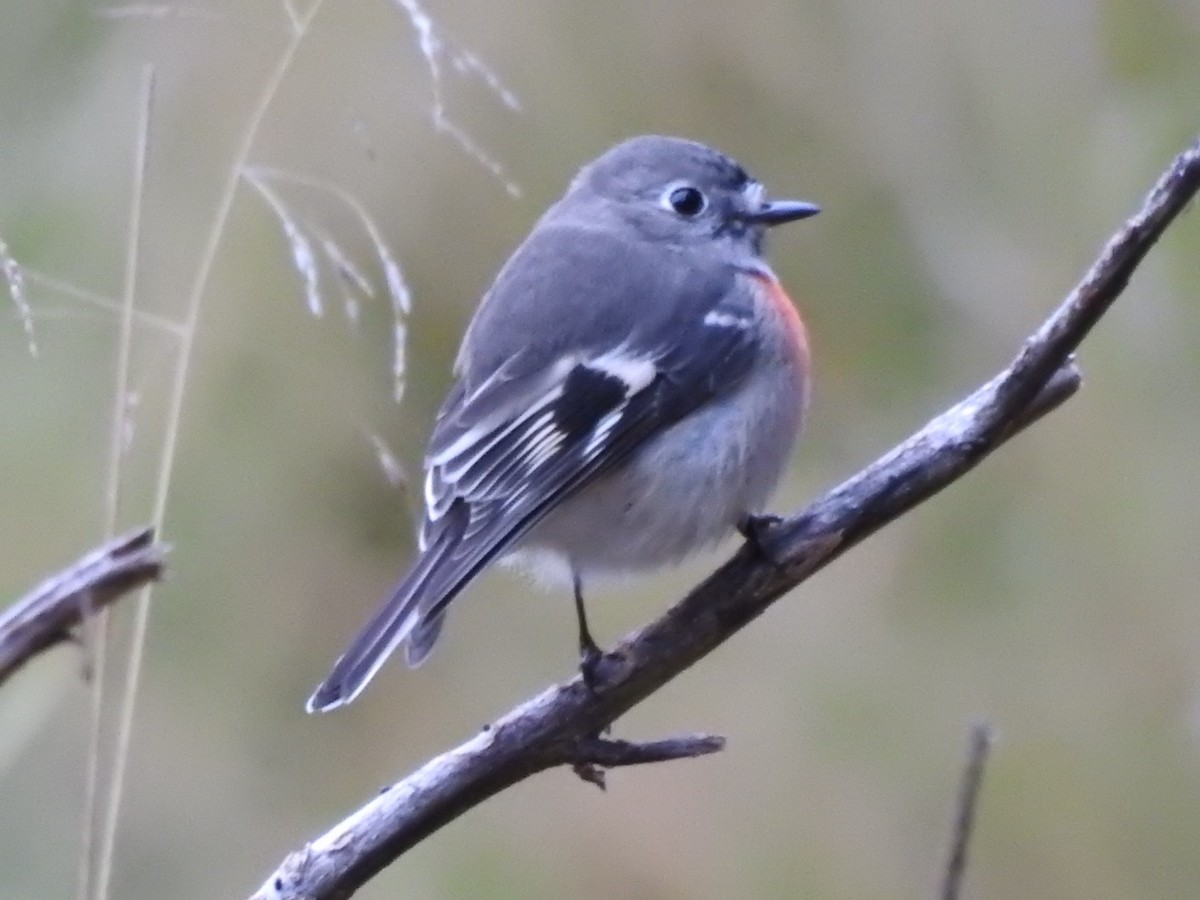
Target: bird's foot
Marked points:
756	530
592	664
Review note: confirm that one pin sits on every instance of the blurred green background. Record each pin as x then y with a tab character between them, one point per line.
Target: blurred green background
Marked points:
971	159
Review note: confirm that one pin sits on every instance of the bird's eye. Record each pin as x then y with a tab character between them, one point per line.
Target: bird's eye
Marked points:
685	200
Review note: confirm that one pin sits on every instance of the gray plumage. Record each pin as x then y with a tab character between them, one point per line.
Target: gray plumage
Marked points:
629	390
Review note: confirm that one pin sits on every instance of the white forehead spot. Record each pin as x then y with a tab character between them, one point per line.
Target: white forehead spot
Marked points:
754	193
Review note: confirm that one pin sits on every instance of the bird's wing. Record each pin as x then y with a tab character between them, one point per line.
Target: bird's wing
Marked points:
545	421
530	435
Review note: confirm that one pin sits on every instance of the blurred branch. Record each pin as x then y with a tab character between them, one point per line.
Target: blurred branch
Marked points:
964	810
560	724
45	616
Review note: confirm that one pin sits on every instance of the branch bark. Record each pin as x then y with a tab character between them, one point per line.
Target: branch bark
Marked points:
560	725
46	615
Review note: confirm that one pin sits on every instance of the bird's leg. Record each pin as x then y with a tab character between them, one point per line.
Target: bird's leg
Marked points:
590	653
754	529
590	657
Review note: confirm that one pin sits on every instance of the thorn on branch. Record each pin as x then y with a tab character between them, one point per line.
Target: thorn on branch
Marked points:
589	755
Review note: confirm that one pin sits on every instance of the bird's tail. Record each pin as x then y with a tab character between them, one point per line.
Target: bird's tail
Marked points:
403	616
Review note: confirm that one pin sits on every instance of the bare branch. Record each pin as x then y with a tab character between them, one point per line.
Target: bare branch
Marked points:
541	732
45	616
964	810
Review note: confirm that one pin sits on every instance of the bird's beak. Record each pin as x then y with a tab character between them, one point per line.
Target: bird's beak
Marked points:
777	212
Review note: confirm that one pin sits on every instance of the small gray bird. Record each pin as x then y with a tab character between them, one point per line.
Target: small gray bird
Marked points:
629	391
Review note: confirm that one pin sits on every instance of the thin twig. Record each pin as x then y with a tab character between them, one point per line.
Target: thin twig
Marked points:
46	615
538	733
13	274
964	808
174	418
96	632
99	301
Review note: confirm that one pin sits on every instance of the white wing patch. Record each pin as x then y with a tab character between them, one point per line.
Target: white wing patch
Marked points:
719	318
472	445
475	459
544	442
635	372
602	430
483	437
